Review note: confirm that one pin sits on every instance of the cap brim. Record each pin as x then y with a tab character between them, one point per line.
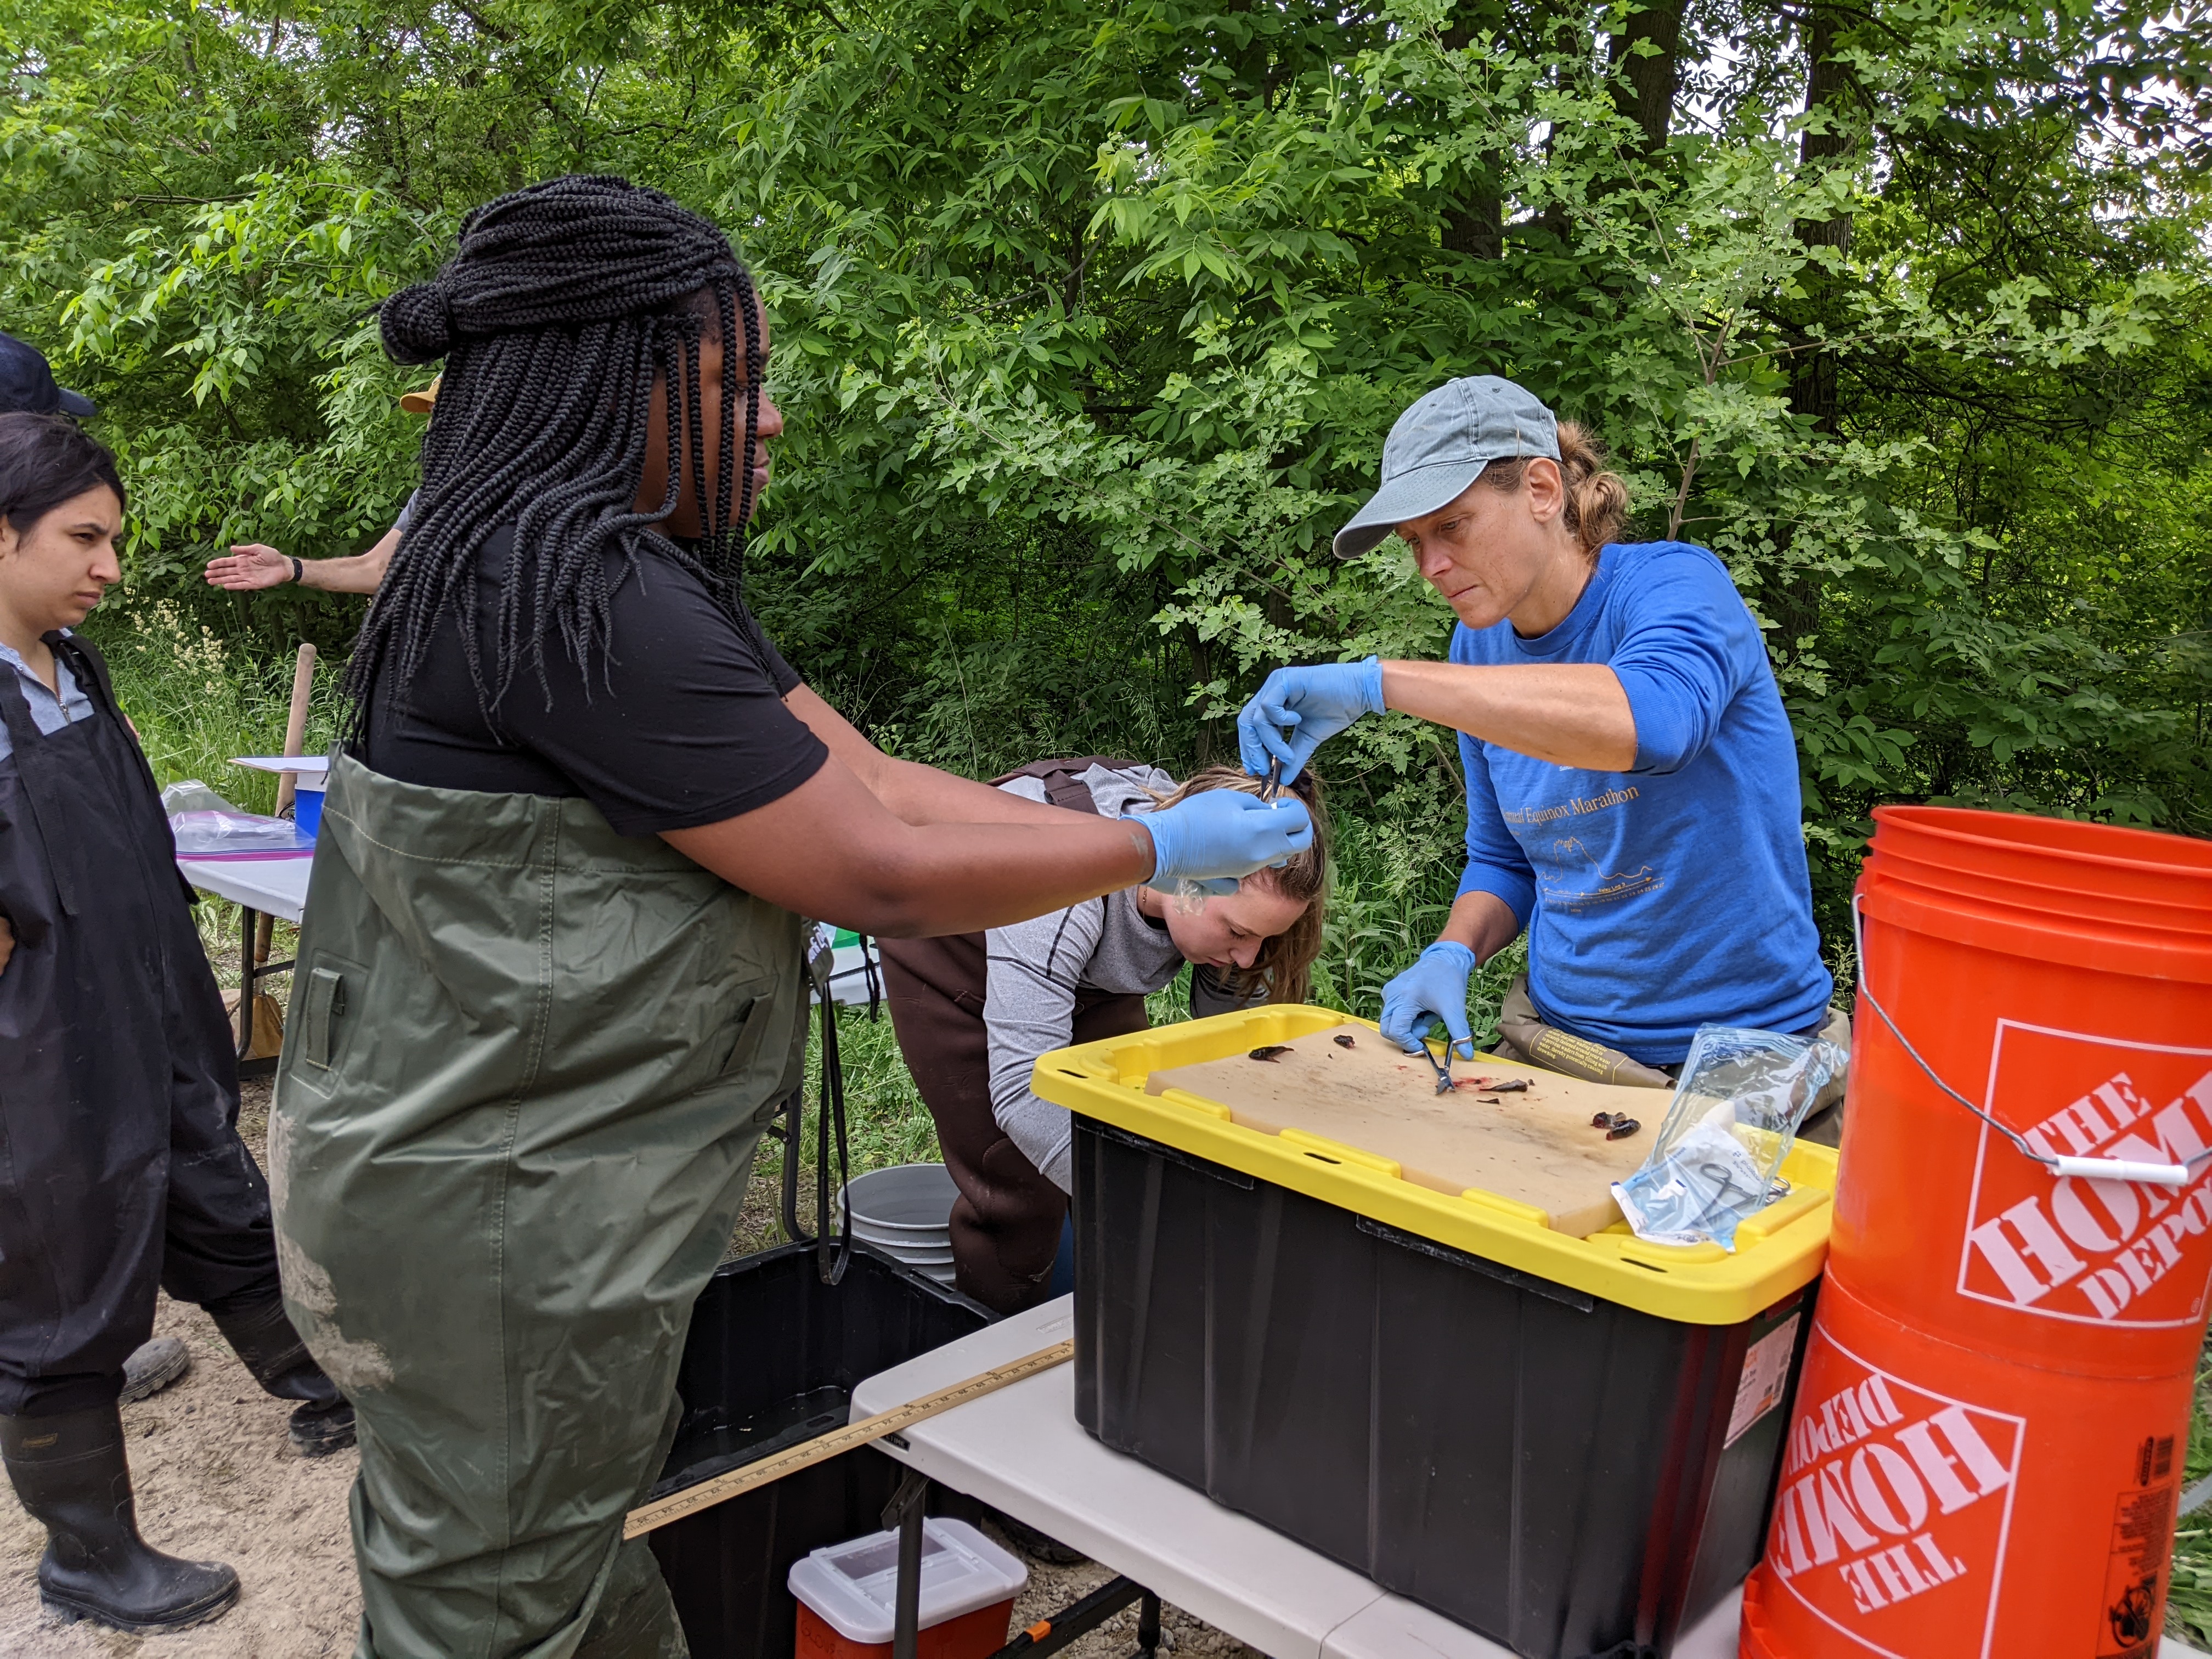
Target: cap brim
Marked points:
77	403
1408	495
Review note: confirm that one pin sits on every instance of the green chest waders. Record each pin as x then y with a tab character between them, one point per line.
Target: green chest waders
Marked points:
527	1064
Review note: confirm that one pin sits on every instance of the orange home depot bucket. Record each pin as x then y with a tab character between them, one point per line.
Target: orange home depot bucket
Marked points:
1935	1503
2058	976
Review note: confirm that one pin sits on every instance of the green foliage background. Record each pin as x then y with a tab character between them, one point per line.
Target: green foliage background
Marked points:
1091	318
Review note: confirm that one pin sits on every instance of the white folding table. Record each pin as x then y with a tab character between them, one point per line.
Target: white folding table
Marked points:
1021	1450
274	886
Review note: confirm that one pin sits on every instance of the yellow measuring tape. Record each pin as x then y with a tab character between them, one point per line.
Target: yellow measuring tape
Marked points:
708	1493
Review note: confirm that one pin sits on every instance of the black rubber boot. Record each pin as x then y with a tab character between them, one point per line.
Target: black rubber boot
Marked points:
71	1474
263	1338
152	1366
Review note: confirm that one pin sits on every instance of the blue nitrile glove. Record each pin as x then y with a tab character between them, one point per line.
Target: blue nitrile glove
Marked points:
1434	987
1214	838
1314	703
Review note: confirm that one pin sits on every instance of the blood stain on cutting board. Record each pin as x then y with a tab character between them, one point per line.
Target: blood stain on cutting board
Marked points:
1535	1145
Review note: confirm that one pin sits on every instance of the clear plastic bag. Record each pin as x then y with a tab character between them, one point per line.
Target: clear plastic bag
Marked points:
193	796
1741	1094
204	822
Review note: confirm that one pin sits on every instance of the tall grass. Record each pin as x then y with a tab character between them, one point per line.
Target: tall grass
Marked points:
2189	1596
197	700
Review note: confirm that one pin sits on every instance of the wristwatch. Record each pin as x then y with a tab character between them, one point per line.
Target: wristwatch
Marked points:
298	572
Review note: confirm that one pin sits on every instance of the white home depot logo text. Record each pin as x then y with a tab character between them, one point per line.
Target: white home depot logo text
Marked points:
1861	1483
2102	1252
1890	1494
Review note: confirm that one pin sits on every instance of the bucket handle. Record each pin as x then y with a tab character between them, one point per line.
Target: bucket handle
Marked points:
2093	1169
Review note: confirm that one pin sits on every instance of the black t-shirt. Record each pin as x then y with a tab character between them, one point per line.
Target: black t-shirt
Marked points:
681	724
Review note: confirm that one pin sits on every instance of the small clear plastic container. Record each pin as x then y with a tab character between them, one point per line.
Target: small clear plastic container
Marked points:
847	1594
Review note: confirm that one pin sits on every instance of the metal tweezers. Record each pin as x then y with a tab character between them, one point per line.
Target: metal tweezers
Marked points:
1442	1066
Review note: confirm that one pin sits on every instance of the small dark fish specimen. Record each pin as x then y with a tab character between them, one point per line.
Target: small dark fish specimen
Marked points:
1622	1128
1342	1039
1516	1085
1269	1051
1602	1121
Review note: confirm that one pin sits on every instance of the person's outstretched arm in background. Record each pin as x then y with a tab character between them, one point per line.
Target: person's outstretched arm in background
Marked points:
251	565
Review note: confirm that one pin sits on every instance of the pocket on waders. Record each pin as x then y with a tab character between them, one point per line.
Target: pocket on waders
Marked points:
328	992
749	1059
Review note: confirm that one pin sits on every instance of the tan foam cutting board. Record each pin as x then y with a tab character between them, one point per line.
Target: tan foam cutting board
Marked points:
1535	1146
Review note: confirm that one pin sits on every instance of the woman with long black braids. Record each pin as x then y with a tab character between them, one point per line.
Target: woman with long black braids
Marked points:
550	983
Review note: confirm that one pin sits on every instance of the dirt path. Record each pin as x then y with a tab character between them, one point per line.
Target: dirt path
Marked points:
218	1480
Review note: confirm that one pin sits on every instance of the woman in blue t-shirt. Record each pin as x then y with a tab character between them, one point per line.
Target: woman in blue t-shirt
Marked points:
1631	781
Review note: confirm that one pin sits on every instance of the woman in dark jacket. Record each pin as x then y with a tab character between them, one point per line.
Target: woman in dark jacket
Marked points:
118	1087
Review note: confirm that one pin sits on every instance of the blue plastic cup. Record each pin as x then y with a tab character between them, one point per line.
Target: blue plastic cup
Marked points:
306	811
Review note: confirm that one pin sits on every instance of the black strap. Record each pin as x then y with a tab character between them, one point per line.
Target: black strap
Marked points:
90	669
24	734
871	975
831	1263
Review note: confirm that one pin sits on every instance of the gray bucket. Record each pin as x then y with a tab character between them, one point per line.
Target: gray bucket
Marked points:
906	1211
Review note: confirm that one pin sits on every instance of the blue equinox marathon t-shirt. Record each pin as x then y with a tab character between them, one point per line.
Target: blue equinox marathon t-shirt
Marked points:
1673	894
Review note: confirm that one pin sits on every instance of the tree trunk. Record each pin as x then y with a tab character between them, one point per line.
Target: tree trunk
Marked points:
1793	599
1571	38
1475	225
1203	742
1812	389
1649	97
1474	216
1827	86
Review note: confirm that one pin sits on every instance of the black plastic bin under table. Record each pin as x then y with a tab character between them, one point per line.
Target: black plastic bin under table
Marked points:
772	1360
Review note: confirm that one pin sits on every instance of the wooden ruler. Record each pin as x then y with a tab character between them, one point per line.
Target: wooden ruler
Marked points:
708	1493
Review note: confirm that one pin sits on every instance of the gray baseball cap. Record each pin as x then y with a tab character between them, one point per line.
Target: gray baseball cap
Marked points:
1440	445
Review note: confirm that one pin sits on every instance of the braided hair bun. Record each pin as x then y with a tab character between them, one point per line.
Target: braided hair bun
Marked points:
417	323
581	249
564	308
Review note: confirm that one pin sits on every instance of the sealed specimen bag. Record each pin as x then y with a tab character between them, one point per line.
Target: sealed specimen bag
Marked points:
1737	1104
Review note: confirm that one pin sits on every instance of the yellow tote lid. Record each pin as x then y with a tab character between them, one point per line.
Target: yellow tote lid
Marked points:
1779	1250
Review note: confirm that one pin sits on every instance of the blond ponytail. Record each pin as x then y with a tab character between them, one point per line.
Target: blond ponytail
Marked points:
1596	499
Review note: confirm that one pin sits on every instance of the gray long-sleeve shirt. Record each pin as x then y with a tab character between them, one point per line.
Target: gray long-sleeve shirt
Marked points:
1034	969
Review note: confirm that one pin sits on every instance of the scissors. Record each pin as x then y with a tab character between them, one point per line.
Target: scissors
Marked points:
1273	787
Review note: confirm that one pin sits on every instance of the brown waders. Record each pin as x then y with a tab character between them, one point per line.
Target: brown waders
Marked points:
1006	1221
527	1065
1523	1035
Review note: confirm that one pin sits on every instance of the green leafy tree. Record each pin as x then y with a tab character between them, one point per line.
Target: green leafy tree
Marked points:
1091	320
